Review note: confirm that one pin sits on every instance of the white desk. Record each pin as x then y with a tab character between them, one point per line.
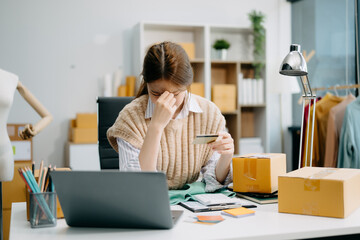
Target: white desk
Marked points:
267	223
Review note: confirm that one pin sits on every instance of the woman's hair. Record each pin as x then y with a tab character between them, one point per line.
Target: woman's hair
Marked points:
167	61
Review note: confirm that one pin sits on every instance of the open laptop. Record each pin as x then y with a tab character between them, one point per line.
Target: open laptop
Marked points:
114	199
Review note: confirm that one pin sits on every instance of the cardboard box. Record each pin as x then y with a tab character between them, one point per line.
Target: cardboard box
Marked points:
328	192
247	124
15	190
122	91
224	96
218	75
258	172
84	135
189	48
130	86
86	120
198	89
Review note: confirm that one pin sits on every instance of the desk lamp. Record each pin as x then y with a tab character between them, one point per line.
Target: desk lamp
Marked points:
294	64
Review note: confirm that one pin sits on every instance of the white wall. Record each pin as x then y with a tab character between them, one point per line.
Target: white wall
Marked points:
61	49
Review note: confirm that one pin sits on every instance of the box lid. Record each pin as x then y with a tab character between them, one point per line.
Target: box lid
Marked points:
261	155
323	173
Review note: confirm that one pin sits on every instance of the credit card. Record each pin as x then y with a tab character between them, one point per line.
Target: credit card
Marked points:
204	139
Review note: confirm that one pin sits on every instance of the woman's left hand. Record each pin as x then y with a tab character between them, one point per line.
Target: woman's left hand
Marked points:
224	144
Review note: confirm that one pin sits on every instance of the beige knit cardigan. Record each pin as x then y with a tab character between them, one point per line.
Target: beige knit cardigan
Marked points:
178	157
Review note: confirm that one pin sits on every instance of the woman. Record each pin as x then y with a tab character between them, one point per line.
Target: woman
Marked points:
156	130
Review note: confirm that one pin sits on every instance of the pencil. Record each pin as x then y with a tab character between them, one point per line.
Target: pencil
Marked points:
43	180
39	177
33	168
23	178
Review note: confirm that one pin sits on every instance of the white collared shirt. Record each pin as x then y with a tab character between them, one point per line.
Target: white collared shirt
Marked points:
129	155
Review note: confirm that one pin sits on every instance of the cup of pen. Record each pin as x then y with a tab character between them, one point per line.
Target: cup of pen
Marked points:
42	209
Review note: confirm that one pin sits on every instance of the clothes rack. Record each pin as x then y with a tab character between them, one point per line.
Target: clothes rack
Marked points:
337	87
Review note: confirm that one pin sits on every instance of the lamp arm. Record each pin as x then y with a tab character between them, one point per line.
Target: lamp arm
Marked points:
45	115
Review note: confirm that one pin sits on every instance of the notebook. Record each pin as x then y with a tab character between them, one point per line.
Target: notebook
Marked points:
115	199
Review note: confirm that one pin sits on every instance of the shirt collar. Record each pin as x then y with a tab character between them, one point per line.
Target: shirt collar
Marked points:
190	105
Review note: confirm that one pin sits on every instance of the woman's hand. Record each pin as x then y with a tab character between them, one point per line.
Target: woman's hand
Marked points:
224	144
164	110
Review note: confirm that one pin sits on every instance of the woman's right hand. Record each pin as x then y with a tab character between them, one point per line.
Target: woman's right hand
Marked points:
164	110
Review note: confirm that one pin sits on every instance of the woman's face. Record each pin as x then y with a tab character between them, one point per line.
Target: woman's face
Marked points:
158	87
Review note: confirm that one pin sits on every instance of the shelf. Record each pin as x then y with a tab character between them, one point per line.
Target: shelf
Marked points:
197	60
253	105
214	61
230	113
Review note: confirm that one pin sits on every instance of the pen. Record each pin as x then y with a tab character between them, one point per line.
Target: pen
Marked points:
33	168
249	206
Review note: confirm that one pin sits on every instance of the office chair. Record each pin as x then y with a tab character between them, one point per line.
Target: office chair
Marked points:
108	111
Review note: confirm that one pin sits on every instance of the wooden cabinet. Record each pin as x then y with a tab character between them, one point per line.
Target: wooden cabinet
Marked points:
13	191
249	118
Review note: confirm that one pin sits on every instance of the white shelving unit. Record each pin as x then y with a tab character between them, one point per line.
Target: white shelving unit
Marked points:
239	59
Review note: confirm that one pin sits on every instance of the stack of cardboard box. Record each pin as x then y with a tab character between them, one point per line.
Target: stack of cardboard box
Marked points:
83	129
127	90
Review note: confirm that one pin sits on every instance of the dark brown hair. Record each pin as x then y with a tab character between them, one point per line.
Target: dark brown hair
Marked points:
167	61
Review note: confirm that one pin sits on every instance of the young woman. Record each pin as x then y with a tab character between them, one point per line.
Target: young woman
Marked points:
156	130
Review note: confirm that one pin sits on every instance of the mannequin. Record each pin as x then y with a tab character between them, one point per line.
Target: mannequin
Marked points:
8	83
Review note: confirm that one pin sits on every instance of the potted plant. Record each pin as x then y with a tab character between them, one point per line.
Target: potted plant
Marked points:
221	46
257	20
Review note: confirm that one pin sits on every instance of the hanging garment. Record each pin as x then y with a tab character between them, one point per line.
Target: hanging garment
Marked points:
336	116
349	142
320	126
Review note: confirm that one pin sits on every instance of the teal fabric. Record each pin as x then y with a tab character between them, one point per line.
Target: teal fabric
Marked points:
349	142
189	190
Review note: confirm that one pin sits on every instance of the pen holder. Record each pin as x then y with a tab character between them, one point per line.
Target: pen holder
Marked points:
42	211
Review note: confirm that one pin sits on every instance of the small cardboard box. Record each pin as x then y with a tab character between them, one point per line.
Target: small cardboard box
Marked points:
328	192
247	124
86	120
130	86
258	172
224	96
189	48
218	75
84	135
198	89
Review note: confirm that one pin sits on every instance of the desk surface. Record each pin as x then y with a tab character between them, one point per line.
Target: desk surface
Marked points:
267	223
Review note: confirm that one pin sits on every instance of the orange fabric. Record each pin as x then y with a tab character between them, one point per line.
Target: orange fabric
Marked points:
336	117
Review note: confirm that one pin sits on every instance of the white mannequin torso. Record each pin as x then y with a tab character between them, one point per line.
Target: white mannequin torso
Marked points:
8	84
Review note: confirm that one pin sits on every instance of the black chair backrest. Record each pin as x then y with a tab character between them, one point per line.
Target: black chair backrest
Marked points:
108	111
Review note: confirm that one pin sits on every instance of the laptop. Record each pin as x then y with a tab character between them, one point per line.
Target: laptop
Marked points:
114	199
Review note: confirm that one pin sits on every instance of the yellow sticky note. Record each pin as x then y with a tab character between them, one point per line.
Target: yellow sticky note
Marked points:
238	212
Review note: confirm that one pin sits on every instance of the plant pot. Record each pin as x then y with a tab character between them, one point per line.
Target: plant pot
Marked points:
222	54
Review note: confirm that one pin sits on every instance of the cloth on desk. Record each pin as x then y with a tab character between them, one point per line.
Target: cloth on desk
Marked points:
189	190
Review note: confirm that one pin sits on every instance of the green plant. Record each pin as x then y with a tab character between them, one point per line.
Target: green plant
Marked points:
257	19
221	44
